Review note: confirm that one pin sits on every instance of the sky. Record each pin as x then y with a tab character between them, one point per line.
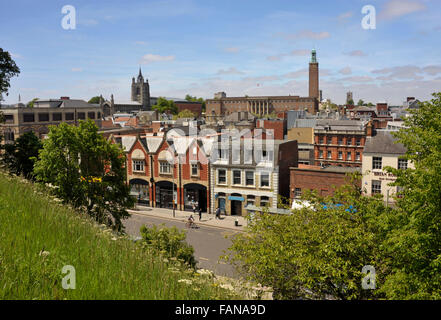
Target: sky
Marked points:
241	47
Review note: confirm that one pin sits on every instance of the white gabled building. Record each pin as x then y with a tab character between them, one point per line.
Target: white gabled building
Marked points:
381	151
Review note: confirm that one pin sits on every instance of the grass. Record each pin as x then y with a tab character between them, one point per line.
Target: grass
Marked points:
107	266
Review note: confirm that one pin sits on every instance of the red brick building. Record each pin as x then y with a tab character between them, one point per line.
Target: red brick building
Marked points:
322	179
161	172
340	142
279	127
195	107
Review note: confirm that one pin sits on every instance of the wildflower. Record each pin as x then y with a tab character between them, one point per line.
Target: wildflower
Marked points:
186	281
44	253
114	239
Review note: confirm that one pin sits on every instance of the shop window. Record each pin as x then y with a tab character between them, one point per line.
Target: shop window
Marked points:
221	176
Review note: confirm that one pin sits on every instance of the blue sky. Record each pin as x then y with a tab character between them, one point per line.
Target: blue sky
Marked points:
242	47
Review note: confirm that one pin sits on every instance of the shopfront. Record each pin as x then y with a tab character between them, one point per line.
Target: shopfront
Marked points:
140	190
236	204
195	193
164	194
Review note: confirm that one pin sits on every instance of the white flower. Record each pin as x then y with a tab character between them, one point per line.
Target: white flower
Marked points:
44	253
186	281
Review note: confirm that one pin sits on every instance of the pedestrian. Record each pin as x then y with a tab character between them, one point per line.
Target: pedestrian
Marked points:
218	213
194	208
200	213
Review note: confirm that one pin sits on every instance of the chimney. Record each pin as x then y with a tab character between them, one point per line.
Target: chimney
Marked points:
369	129
64	98
410	99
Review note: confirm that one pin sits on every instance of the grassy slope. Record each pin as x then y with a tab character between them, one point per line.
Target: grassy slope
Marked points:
105	268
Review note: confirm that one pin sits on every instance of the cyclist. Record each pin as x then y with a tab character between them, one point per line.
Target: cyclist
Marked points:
190	222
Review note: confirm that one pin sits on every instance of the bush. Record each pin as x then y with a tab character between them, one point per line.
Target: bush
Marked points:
170	241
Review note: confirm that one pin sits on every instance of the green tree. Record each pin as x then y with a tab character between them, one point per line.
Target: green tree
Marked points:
415	241
87	171
30	104
194	99
360	103
185	114
315	253
370	104
8	69
350	102
20	156
94	100
170	241
165	106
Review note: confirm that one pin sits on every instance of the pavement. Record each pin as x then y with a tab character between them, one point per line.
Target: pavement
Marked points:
225	222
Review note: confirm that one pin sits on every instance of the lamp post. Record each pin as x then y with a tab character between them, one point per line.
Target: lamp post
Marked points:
173	187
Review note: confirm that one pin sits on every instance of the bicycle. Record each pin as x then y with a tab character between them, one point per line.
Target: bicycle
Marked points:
192	225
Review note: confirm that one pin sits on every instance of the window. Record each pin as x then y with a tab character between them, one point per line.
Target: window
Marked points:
348	141
69	116
357	156
43	117
249	178
56	117
164	167
358	141
349	156
138	165
223	154
91	115
340	155
402	164
221	176
321	140
237	175
376	163
329	155
251	200
264	179
340	141
9	136
28	117
99	115
321	154
81	116
264	201
194	169
376	186
9	118
297	192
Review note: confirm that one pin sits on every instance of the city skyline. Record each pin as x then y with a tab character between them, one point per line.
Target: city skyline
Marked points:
241	48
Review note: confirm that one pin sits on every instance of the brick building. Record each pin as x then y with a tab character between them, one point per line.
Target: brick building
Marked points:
340	142
322	179
222	105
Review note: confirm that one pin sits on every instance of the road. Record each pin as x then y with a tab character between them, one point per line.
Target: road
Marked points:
208	242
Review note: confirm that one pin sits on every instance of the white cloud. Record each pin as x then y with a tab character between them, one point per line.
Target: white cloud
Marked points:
356	53
345	15
398	8
346	71
231	50
304	34
149	58
232	70
15	55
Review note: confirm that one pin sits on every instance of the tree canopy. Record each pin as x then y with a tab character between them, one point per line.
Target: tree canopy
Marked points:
30	104
185	114
8	69
20	156
195	99
87	172
94	100
165	106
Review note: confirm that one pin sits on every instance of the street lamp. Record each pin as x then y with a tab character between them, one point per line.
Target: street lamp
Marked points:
173	187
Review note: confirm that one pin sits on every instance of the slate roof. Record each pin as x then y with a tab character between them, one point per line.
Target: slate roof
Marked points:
383	142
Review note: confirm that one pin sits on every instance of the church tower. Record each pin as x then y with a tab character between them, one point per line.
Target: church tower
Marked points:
314	76
141	91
